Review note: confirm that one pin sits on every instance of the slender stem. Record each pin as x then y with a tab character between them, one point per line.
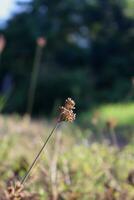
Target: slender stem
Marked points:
34	76
38	155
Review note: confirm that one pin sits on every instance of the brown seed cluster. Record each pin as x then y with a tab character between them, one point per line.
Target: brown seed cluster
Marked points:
15	192
66	111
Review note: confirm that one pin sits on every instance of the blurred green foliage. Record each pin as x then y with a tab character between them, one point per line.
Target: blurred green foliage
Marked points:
98	168
122	113
73	165
89	52
3	101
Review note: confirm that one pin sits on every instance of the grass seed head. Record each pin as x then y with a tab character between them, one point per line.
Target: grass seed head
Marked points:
66	111
69	104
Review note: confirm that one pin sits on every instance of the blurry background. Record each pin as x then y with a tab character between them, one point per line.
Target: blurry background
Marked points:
88	55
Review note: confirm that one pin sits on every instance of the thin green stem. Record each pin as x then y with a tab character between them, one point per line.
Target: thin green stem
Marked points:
34	76
38	155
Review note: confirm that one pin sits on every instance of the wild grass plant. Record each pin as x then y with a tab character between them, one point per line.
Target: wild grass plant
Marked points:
72	167
15	191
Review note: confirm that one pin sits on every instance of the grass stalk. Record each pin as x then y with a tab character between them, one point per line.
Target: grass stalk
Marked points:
38	155
34	77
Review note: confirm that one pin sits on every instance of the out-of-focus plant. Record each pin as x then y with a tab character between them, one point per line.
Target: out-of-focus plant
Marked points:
40	43
3	98
2	43
3	101
98	129
111	124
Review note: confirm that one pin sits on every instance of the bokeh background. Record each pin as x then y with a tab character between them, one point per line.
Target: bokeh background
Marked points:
88	55
51	50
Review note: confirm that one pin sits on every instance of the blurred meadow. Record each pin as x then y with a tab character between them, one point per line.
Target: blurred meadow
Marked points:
49	51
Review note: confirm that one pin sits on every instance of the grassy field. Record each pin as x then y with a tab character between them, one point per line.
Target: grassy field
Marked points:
72	165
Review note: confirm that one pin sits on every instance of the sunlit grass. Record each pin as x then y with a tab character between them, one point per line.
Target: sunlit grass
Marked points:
122	113
83	168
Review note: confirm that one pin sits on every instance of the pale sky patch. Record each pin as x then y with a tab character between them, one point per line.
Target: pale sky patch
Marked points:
6	8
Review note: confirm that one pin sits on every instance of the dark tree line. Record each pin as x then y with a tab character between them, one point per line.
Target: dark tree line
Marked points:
89	52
